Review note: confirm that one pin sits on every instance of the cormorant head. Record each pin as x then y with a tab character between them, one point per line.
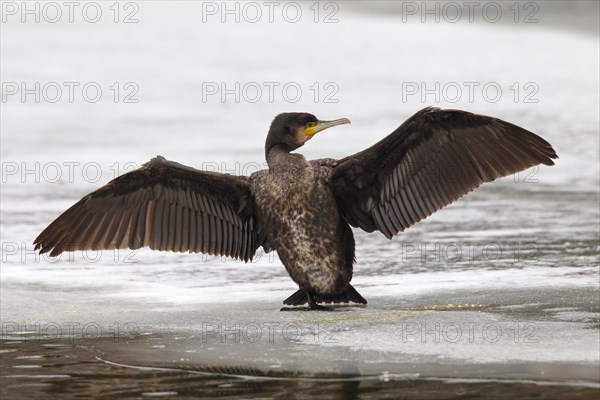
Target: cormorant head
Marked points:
292	130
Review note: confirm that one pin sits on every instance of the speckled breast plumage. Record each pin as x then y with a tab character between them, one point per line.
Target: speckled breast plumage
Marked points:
303	224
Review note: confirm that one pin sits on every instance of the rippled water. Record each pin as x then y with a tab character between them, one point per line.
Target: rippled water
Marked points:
523	250
69	370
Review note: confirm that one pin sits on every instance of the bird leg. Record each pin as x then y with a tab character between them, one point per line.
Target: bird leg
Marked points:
312	305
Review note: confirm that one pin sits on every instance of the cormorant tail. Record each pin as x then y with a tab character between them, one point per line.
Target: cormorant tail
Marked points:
349	295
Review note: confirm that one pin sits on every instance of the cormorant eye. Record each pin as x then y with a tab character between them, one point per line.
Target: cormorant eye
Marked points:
311	124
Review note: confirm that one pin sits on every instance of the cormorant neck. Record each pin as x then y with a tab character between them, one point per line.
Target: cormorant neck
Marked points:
277	153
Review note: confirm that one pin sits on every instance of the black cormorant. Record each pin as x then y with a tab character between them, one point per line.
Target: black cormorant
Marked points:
303	209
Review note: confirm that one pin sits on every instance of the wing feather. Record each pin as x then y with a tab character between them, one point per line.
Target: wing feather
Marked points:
165	206
430	161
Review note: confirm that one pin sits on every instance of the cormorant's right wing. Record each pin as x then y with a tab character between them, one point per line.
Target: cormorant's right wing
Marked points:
163	205
431	160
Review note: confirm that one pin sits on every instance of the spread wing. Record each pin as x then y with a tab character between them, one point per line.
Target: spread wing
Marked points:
431	160
165	206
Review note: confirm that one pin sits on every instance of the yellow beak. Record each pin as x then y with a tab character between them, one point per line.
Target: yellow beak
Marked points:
322	125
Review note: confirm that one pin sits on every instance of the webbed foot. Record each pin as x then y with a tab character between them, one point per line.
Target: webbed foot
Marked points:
312	304
350	295
314	307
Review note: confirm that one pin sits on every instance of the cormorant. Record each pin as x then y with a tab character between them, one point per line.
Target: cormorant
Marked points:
303	209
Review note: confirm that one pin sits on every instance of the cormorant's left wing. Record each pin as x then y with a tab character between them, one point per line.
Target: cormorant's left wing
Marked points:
431	160
165	206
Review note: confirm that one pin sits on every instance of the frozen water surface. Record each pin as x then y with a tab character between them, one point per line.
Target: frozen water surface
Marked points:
496	295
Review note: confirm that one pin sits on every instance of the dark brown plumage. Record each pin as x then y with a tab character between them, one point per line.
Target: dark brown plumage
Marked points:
301	209
165	206
431	160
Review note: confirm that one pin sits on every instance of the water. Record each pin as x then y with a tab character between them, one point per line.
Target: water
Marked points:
496	295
